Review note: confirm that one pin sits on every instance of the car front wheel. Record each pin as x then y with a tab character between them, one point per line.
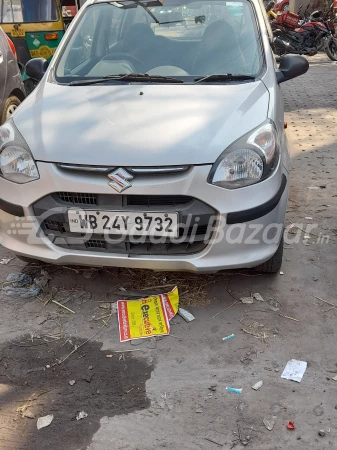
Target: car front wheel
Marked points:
10	106
274	264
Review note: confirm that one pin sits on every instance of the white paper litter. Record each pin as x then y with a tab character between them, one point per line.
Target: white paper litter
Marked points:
257	385
247	300
258	297
5	261
294	370
186	315
81	415
44	421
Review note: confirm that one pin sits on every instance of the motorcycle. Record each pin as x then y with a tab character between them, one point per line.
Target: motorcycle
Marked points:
304	36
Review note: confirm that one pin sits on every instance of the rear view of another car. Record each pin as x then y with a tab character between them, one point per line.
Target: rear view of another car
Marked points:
12	91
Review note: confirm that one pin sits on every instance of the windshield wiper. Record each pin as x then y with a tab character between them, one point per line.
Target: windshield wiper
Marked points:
141	77
225	77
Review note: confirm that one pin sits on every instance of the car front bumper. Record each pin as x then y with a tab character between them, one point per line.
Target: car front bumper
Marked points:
258	209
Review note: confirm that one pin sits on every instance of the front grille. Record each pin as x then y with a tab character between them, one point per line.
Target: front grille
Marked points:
130	200
157	200
77	198
194	216
95	243
52	225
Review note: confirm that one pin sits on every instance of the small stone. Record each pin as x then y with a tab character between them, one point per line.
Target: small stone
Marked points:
72	382
321	433
248	438
298	438
87	378
212	388
198	410
90	367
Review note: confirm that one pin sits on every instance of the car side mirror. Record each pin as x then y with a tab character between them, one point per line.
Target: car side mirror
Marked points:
36	68
291	66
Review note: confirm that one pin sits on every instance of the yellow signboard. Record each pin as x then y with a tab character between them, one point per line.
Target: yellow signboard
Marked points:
148	316
18	32
43	52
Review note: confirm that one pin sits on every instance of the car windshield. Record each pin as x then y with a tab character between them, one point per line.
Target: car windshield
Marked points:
28	11
173	38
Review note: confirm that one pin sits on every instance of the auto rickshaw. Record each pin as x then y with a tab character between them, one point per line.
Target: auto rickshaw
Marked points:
36	27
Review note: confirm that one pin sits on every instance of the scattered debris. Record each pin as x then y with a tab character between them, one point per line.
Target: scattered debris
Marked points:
334	378
321	433
308	218
43	280
90	367
290	425
45	421
198	410
20	285
246	358
313	187
274	305
269	423
5	261
258	297
148	316
213	387
228	337
28	414
257	385
294	370
186	315
63	306
281	273
254	330
237	391
108	356
247	300
72	382
288	317
81	415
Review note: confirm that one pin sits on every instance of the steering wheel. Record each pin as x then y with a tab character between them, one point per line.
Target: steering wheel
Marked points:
121	55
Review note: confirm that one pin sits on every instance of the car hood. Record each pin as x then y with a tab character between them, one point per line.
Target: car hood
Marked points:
139	125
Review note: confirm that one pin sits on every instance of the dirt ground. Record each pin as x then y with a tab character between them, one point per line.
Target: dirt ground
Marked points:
171	392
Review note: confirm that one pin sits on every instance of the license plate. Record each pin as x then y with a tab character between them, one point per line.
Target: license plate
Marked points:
123	223
18	33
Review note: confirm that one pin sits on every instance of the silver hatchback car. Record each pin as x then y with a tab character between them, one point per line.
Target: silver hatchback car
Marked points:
152	141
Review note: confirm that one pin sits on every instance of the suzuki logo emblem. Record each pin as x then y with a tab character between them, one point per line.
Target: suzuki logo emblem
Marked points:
120	180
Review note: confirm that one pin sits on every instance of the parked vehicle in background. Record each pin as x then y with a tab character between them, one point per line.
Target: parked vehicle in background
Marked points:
153	149
36	28
281	5
305	36
70	9
12	91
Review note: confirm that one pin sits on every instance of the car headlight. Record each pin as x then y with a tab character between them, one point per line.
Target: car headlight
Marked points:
250	159
16	161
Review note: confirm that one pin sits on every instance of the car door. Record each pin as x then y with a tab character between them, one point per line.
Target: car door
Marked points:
3	67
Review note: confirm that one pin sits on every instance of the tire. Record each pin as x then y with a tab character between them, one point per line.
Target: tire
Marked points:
10	106
331	49
285	7
274	264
